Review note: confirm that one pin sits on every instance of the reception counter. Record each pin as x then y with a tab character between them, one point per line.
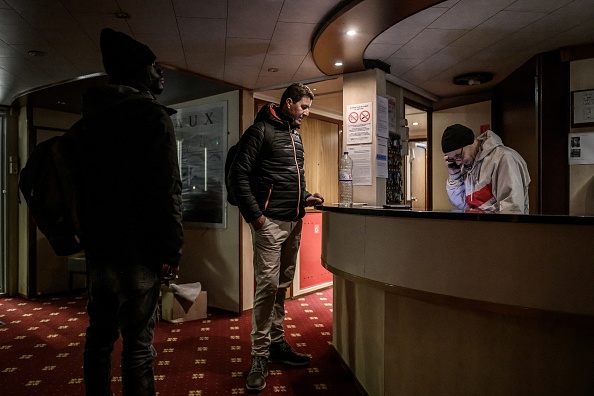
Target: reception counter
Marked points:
456	303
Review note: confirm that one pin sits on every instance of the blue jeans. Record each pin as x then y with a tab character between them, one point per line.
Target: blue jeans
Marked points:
123	299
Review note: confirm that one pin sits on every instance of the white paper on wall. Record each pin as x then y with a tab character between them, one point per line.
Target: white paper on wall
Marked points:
581	148
359	123
361	156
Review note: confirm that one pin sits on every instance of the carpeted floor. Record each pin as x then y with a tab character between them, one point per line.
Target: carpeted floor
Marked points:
41	344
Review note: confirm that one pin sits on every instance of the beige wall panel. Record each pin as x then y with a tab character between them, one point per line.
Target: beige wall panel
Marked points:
320	142
441	350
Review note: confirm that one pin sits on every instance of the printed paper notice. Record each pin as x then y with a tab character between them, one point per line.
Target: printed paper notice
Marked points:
381	128
581	148
392	114
381	158
359	126
361	156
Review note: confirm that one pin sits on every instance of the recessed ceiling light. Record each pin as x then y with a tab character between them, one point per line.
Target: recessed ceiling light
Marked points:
36	53
338	63
351	33
415	123
273	69
122	15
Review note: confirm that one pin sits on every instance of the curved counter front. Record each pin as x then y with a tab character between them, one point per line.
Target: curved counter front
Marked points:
462	303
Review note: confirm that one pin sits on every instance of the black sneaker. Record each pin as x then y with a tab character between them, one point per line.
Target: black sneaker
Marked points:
281	352
256	380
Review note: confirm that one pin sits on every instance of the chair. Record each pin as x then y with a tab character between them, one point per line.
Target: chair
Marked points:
77	264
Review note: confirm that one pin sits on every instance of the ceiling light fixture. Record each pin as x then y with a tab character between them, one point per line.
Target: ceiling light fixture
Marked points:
273	69
338	63
351	33
473	78
122	15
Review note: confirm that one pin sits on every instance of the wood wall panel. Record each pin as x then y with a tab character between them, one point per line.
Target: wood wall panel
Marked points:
320	141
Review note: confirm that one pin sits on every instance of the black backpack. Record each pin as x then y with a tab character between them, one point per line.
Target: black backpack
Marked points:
266	143
50	183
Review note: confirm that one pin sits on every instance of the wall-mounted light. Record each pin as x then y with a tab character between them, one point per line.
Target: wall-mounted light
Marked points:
473	78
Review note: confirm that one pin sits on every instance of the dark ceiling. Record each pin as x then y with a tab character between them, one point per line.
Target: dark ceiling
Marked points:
180	87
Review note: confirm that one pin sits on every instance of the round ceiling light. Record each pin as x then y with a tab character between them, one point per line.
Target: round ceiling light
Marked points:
473	78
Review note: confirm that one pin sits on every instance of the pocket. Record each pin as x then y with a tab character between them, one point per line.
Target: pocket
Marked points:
264	226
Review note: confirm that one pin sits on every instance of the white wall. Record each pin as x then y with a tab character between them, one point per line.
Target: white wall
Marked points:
211	256
581	177
472	116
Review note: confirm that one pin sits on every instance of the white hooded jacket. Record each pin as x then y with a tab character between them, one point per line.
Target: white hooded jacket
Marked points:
497	182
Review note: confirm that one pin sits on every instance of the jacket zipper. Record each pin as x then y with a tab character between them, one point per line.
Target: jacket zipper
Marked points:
298	174
268	197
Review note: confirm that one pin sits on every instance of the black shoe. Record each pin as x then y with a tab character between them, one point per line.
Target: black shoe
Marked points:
281	352
256	380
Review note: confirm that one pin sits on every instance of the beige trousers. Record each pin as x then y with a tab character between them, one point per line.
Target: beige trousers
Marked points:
276	246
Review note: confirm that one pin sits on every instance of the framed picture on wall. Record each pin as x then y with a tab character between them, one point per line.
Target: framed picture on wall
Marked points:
201	133
582	108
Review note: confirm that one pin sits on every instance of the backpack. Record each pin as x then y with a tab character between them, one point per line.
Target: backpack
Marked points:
49	182
266	143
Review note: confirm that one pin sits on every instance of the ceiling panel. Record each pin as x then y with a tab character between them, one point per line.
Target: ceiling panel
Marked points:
305	11
200	9
467	14
253	19
238	41
286	41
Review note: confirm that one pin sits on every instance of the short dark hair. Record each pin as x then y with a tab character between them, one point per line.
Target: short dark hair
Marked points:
296	91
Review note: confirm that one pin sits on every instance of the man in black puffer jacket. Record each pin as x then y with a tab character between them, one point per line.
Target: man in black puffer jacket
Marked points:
131	217
268	182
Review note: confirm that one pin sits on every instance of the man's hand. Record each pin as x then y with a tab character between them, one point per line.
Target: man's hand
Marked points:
313	200
451	166
169	273
258	223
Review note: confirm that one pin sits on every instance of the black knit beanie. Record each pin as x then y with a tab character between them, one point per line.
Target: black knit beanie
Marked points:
455	137
122	55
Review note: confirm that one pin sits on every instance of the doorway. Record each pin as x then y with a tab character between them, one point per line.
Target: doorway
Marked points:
417	157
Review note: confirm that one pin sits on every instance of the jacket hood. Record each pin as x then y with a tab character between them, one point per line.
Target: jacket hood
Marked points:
101	98
273	115
490	141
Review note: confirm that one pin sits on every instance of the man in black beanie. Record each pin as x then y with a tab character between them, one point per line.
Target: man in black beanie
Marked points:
485	175
131	217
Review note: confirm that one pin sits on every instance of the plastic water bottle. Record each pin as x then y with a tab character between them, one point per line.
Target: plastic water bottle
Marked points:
345	181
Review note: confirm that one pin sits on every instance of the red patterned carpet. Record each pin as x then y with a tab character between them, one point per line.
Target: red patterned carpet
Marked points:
41	344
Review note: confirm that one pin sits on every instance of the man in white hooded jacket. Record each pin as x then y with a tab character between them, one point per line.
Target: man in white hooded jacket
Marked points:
484	174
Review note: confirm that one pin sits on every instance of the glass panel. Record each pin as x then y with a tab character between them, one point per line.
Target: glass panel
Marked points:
201	133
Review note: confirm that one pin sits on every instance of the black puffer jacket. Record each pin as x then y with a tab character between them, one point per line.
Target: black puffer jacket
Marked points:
273	185
132	202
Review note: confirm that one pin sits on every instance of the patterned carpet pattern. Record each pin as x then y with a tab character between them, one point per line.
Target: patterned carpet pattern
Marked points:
41	345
